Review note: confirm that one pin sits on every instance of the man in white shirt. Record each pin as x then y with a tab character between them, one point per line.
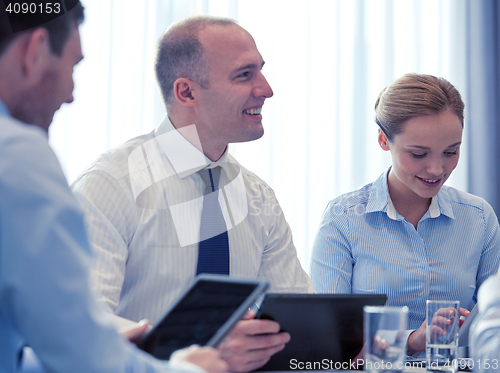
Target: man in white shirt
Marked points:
45	298
484	335
143	200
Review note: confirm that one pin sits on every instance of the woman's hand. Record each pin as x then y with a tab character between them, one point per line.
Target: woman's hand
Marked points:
441	320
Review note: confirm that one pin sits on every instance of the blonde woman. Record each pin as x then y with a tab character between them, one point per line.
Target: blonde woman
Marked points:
406	234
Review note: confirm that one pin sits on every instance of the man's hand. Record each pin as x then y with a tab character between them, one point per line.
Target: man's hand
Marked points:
207	358
135	332
440	323
252	343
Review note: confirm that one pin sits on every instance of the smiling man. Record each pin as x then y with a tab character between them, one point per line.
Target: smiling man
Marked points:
171	204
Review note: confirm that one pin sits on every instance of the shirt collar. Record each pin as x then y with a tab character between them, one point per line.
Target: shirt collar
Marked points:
3	110
185	158
379	195
380	200
443	204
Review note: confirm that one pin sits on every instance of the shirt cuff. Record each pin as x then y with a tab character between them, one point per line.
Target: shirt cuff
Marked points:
411	353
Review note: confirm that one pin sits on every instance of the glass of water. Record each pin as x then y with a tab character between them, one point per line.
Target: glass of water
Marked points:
384	336
441	341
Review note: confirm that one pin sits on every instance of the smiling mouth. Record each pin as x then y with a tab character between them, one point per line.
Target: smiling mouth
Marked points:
253	111
430	182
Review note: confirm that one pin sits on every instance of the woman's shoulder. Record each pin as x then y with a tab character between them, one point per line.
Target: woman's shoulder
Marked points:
354	198
457	196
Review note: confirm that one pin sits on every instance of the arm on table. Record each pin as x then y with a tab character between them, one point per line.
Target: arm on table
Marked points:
416	340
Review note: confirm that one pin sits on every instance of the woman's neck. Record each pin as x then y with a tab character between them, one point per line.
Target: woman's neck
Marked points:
406	202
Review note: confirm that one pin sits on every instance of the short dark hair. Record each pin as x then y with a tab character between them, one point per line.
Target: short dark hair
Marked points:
59	29
181	55
414	95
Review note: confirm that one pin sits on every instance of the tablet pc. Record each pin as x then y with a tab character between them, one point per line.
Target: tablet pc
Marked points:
203	314
326	329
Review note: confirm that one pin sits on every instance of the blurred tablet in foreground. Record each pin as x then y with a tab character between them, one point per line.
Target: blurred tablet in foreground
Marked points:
204	314
326	329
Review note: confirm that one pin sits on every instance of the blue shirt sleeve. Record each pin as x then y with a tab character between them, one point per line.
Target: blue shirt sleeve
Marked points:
332	261
45	297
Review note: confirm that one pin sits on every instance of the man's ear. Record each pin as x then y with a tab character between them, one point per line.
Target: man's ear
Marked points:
183	91
382	140
36	56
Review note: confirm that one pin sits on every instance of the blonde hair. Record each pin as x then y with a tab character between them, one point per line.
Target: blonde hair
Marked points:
415	95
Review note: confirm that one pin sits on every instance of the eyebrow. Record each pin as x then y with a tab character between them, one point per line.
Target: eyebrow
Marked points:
250	66
427	148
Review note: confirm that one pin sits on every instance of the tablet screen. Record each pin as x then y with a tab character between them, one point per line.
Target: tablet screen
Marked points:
206	312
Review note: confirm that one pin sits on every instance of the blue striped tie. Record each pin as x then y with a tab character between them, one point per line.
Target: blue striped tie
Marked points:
213	252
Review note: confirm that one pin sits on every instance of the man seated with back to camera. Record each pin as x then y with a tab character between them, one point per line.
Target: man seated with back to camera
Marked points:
45	298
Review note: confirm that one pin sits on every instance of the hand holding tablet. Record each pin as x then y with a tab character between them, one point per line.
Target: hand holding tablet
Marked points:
203	315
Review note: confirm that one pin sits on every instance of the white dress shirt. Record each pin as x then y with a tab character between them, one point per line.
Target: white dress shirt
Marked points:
143	203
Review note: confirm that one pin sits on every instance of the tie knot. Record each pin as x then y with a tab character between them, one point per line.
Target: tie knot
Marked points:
211	177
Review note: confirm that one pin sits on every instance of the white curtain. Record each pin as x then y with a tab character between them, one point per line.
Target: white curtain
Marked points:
326	60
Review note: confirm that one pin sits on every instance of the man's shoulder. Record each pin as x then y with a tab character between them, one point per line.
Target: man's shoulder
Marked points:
28	165
23	145
250	178
115	161
14	130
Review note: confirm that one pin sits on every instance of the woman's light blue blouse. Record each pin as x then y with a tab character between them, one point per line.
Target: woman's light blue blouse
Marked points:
364	246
